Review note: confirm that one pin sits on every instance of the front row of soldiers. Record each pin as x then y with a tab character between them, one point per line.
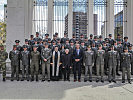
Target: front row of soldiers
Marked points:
55	60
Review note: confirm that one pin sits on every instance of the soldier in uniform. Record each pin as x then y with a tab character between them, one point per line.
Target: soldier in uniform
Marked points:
90	41
25	57
35	58
19	48
100	63
63	40
14	56
31	41
126	63
111	41
37	38
46	56
29	48
3	58
125	42
131	51
89	63
106	49
113	56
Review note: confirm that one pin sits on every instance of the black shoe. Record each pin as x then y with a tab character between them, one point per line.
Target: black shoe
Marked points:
68	80
114	81
4	79
118	74
37	78
85	80
22	79
32	79
123	81
90	80
129	82
43	80
12	79
102	81
49	80
109	81
97	80
17	79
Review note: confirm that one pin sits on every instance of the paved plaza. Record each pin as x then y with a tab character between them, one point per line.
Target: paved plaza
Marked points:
66	90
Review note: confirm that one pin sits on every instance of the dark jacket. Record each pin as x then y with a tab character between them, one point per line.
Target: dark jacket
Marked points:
76	56
67	60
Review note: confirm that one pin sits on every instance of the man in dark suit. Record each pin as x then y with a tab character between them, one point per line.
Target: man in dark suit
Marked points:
67	64
77	56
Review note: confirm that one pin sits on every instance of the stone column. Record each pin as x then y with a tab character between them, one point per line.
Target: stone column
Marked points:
110	18
90	18
70	18
50	18
130	20
19	21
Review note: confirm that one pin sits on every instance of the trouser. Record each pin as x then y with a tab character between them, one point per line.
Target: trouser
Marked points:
100	68
132	68
34	69
15	69
124	69
3	67
106	65
77	66
112	75
86	72
47	66
66	72
118	66
27	71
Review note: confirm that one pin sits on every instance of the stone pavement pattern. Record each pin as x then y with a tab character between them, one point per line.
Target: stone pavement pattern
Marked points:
66	90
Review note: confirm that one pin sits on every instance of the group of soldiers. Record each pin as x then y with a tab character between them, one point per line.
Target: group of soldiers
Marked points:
57	58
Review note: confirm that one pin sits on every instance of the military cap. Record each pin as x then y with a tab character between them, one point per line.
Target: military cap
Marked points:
31	35
106	39
35	46
67	39
49	39
110	35
95	37
26	40
86	37
73	34
88	46
40	40
104	42
81	34
56	33
17	41
37	33
115	41
82	41
53	41
130	45
58	39
71	41
56	46
14	46
91	35
118	35
24	46
35	40
100	36
47	34
99	45
46	43
125	37
45	40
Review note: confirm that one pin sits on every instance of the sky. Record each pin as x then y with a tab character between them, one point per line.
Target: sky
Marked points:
2	2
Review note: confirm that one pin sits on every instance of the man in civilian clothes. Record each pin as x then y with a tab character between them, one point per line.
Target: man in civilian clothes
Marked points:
67	63
77	56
